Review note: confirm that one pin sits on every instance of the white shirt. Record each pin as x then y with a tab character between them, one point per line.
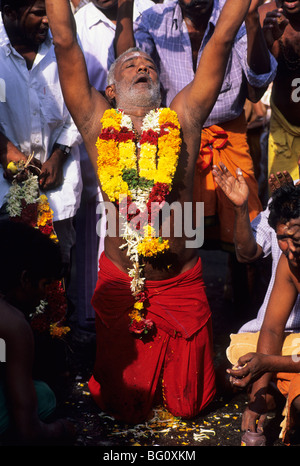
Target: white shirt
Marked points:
266	237
96	35
33	117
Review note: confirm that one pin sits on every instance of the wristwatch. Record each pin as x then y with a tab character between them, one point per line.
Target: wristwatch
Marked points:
65	149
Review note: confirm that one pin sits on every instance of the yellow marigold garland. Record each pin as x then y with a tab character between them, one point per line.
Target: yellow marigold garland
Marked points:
142	181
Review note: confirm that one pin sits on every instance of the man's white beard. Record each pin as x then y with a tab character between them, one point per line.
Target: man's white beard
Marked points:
128	97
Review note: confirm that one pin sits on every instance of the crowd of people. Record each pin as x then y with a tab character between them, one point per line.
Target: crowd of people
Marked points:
128	112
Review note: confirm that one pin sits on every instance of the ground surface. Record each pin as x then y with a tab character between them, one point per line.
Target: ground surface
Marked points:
219	425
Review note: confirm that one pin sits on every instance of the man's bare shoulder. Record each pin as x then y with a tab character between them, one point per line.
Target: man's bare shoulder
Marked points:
190	121
89	123
12	321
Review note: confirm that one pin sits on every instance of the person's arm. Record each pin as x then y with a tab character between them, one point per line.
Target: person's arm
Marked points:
84	103
282	300
124	37
251	366
10	154
51	175
258	57
21	391
196	100
236	190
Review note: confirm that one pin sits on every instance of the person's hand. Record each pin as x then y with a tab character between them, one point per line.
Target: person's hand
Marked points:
51	175
274	26
235	189
248	369
19	165
280	179
254	5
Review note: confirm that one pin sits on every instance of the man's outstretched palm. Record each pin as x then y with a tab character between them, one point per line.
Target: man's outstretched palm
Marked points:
235	188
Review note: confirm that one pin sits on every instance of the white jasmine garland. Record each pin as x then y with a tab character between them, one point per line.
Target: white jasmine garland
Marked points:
31	189
14	208
151	121
40	309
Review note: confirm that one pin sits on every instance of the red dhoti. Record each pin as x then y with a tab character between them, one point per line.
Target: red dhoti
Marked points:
128	369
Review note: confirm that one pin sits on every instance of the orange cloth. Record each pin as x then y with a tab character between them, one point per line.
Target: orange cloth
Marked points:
287	383
228	145
289	386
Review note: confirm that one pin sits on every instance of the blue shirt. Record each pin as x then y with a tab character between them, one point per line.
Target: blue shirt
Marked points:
162	33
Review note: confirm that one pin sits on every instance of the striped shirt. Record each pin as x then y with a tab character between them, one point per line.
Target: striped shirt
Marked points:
162	33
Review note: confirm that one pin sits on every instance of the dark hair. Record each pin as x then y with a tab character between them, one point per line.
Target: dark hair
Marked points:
16	4
112	69
285	204
25	248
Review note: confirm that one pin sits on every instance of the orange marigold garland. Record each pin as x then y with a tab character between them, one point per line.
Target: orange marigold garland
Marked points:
25	204
136	185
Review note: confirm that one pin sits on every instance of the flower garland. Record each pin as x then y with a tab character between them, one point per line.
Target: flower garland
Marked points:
139	187
25	204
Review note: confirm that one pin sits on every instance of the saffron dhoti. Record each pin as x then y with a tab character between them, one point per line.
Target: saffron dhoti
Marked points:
226	144
128	370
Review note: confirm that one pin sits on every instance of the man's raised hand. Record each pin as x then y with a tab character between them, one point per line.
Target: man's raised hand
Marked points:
234	188
274	26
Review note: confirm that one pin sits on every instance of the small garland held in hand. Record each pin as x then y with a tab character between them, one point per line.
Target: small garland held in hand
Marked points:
26	205
139	185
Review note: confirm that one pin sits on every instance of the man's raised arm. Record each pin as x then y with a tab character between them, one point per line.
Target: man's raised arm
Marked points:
198	98
124	38
80	97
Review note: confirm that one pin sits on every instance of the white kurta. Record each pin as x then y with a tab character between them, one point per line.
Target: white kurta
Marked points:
33	117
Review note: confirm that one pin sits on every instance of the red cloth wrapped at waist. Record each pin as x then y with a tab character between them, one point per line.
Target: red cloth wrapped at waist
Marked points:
177	305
